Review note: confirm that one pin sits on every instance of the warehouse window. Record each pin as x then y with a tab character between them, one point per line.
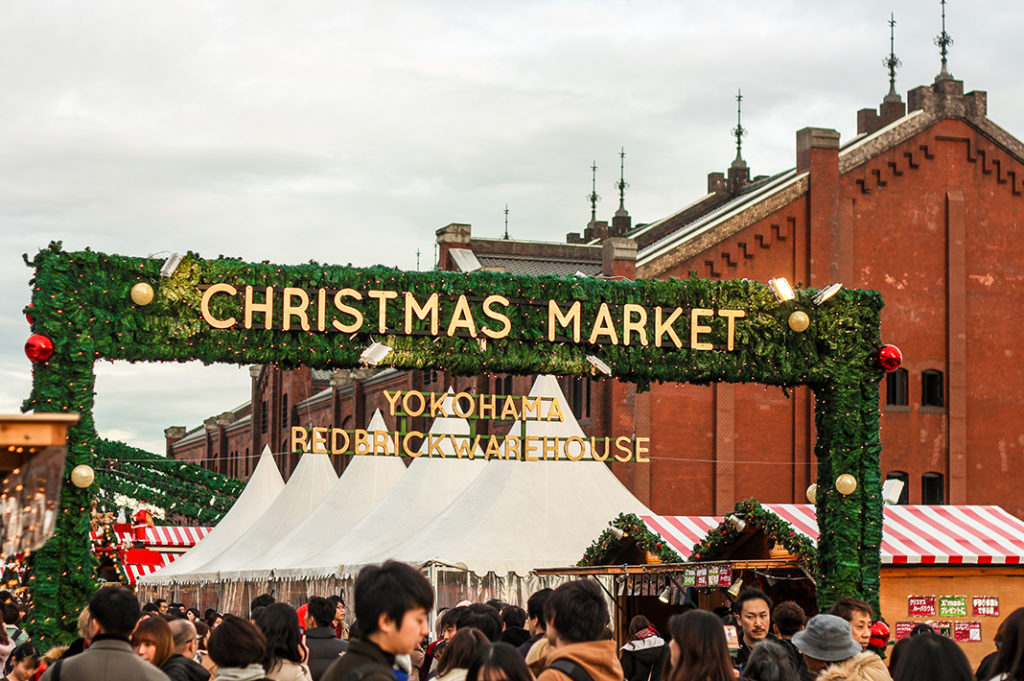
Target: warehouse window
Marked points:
932	390
932	488
581	397
285	415
896	392
263	416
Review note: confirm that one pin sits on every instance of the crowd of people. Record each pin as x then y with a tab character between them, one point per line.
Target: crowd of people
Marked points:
563	635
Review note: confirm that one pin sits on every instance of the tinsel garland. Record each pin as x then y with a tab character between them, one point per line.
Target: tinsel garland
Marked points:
634	528
777	530
81	302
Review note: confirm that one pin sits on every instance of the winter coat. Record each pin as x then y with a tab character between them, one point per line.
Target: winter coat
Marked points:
597	657
324	649
180	668
861	667
286	670
642	658
361	653
107	659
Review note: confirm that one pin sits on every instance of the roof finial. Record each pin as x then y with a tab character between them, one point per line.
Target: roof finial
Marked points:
622	185
506	223
739	131
892	62
943	41
592	196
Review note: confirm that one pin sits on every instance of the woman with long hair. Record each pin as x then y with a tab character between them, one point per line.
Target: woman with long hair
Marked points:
498	662
459	654
769	661
153	641
237	648
1009	663
285	656
644	653
930	657
698	651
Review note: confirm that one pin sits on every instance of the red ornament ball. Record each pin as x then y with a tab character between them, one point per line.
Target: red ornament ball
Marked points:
38	348
28	315
890	357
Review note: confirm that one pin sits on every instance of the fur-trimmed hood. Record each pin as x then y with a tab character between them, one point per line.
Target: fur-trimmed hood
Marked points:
862	667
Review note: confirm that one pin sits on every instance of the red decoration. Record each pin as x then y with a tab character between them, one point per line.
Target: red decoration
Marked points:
890	357
28	315
38	348
879	634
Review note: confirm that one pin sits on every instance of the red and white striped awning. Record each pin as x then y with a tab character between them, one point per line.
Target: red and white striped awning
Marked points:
162	535
134	571
911	535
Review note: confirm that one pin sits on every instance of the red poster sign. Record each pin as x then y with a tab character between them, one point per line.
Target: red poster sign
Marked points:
902	630
921	606
967	632
985	606
724	575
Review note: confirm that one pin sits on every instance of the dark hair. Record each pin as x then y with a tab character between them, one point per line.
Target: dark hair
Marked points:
703	652
513	616
261	601
1010	658
155	630
254	615
211	617
391	589
498	657
26	651
497	604
926	658
11	613
846	606
321	610
577	610
636	625
150	607
158	601
482	617
769	661
195	613
535	606
450	618
461	650
115	609
237	643
335	600
749	594
202	634
280	625
788	617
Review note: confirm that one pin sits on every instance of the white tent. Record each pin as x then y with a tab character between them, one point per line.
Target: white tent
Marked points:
264	485
366	480
310	482
519	515
423	491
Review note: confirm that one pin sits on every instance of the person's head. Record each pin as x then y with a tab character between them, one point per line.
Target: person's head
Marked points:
753	608
184	634
697	649
213	619
461	650
11	613
391	602
1010	658
498	662
153	641
114	611
202	634
769	661
535	623
320	612
482	617
339	609
236	643
280	625
450	622
576	612
824	640
261	601
23	661
930	657
85	631
161	605
636	625
788	618
193	615
858	614
513	617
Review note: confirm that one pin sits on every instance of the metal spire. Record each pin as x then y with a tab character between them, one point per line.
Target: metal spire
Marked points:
592	196
892	62
622	185
943	42
506	222
417	260
739	131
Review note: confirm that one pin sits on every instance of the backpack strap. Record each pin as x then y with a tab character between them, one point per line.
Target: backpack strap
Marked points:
574	670
362	671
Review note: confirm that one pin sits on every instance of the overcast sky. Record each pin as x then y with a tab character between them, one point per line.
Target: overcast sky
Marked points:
349	132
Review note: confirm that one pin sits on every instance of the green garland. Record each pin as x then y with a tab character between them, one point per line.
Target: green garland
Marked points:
225	487
777	530
634	527
81	302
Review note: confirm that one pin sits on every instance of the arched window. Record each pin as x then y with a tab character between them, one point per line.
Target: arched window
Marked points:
903	477
896	392
933	488
933	391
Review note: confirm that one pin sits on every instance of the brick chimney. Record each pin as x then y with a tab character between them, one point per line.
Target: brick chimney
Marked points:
172	435
618	258
817	153
455	235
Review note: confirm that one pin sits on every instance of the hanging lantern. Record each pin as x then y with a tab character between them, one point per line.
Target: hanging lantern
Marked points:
38	348
846	484
890	357
799	321
142	293
82	476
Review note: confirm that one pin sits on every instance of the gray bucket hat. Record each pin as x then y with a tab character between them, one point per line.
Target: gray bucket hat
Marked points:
827	638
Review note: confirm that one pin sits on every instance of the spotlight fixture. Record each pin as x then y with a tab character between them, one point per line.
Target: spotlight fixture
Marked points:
375	353
891	491
598	365
734	590
170	265
738	523
665	594
827	292
781	288
617	532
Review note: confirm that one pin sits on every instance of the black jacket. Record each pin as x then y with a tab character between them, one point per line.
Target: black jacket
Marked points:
361	653
180	668
324	648
643	659
516	636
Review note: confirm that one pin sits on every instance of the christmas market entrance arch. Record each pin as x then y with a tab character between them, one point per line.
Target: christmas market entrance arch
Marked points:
92	306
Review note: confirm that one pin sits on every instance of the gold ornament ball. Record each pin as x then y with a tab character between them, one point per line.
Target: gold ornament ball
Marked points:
799	321
846	484
82	476
812	493
142	293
